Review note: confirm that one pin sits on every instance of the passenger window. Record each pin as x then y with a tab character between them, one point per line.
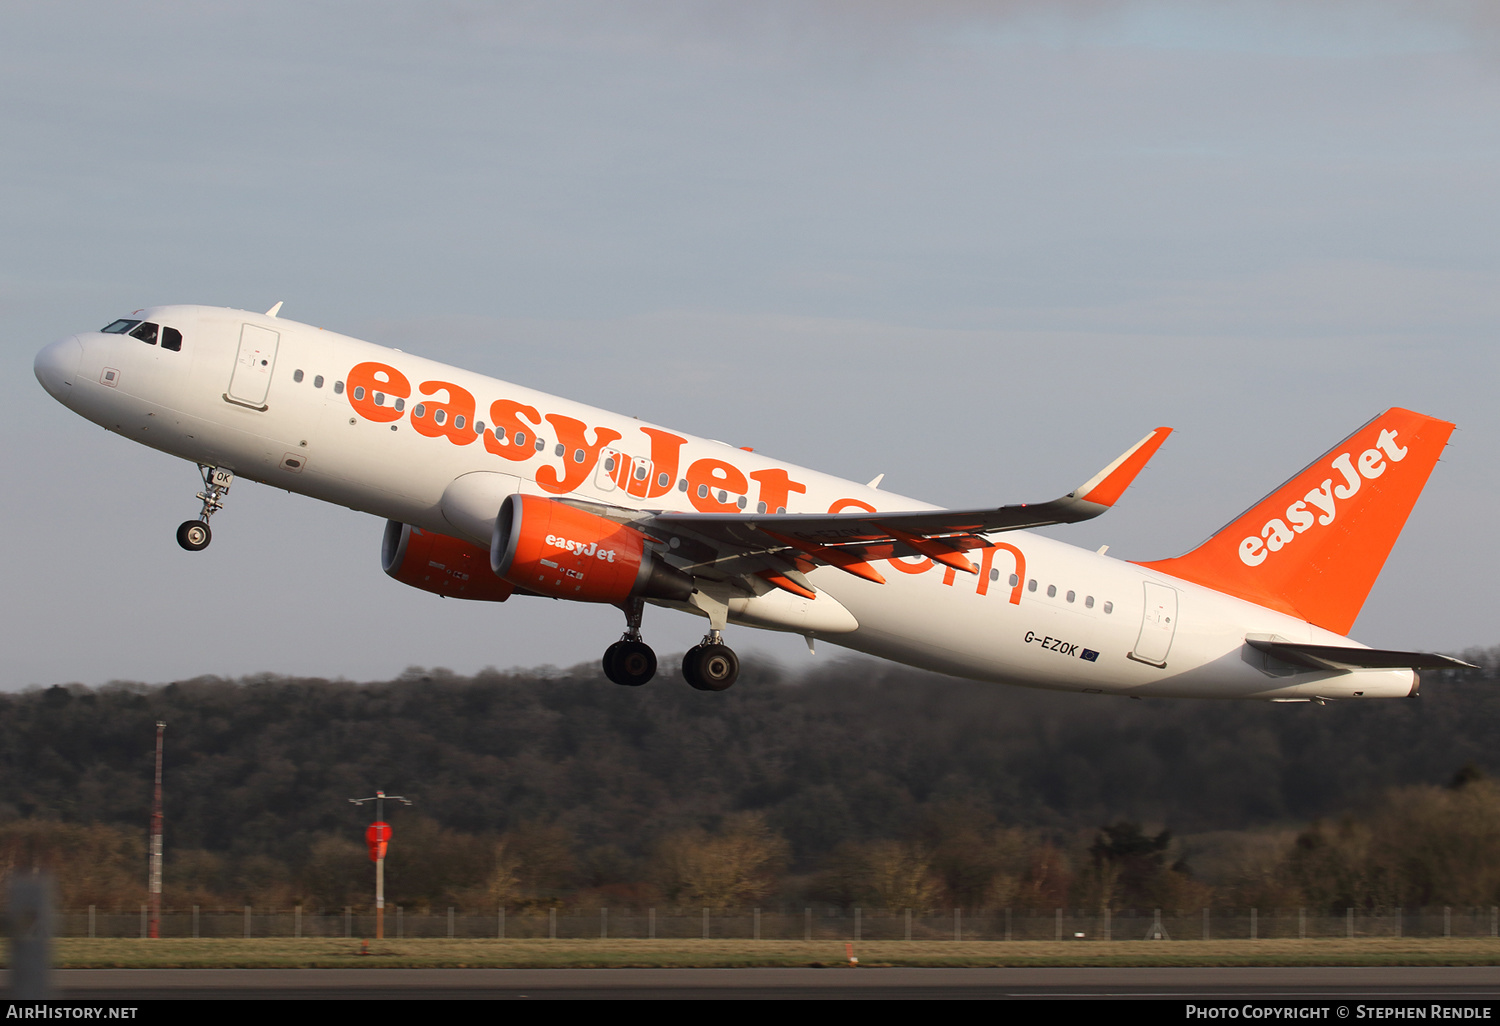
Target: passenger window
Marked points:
400	405
780	509
297	376
520	437
479	427
1052	591
760	507
682	485
663	480
318	381
1014	580
419	411
1109	607
577	455
439	416
379	398
338	388
742	501
703	491
1070	596
723	495
1031	584
994	575
359	393
541	443
119	327
1088	603
560	449
609	464
458	421
146	332
171	339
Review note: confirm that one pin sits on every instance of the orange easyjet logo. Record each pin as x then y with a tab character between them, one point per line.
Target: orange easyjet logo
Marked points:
1320	505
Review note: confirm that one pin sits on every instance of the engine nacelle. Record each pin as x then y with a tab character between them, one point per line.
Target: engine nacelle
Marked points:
440	564
554	549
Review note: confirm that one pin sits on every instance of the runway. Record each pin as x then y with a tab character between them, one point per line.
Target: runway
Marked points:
1366	983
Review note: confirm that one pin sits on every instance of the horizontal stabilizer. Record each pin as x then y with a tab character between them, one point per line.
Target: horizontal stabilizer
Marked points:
1343	657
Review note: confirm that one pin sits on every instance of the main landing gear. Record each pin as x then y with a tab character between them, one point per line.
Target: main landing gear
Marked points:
630	662
194	535
711	665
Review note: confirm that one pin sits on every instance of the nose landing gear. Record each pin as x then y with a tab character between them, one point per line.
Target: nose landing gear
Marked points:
630	662
194	535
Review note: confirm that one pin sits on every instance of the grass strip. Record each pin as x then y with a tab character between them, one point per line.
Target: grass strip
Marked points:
323	953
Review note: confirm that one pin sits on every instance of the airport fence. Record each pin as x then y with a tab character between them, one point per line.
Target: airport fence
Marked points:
786	923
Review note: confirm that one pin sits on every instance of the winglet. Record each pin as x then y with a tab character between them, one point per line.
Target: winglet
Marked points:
1106	487
274	310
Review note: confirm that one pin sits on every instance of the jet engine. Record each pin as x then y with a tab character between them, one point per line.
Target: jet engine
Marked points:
440	564
554	549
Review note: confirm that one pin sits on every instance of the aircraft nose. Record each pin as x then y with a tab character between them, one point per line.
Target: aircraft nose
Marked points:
57	365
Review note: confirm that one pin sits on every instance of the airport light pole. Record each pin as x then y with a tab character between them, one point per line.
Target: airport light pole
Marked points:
378	837
154	879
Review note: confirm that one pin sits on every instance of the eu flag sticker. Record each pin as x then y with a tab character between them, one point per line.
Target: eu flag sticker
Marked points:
1088	655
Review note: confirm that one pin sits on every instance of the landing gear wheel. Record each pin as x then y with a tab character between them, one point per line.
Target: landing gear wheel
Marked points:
629	663
710	667
636	663
612	656
194	535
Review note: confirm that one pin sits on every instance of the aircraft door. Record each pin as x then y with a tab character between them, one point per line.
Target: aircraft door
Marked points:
621	470
639	482
1157	625
253	366
609	463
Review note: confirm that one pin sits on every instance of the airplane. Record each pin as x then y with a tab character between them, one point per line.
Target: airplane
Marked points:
491	489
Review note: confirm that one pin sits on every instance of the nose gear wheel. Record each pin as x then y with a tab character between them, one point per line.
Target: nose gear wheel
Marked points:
194	535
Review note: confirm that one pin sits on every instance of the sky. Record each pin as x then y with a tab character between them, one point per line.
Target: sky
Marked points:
980	248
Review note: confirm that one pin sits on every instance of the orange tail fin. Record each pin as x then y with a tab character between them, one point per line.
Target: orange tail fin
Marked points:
1314	546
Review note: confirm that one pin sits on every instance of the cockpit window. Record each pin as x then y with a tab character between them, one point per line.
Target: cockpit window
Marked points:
171	339
121	326
145	331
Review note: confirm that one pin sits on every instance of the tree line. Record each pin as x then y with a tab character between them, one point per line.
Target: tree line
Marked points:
852	783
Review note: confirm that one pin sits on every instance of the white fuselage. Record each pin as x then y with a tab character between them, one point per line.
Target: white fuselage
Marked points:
1150	634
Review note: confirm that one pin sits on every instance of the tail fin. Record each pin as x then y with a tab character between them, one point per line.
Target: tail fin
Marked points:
1314	546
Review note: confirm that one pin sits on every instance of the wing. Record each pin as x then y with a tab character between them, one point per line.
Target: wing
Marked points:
780	549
